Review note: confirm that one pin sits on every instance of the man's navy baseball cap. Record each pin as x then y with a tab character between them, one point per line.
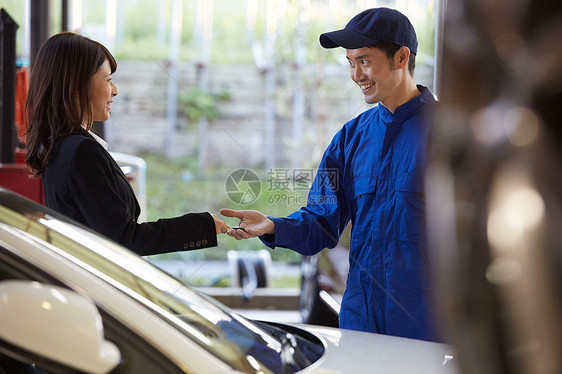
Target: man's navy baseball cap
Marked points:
372	26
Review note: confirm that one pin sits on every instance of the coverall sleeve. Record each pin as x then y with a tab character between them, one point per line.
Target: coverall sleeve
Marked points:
321	222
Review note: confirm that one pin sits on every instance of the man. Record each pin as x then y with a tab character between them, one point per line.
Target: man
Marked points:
371	174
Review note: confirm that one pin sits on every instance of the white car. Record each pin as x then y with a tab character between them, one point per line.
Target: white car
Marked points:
72	301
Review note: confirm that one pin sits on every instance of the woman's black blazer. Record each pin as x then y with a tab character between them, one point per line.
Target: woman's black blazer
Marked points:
83	182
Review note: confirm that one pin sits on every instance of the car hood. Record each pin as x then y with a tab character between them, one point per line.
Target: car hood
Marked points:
347	352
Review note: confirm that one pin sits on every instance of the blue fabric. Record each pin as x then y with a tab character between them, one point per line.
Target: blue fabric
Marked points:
372	174
372	26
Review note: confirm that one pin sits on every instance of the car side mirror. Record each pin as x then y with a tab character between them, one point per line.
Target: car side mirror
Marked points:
55	323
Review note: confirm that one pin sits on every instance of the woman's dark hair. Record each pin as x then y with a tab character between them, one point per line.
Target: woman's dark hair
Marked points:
390	50
58	101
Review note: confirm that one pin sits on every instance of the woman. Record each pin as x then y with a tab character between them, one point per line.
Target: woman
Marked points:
70	88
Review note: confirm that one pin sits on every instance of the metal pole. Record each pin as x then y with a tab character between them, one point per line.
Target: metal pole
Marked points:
175	40
298	90
440	7
39	21
76	16
162	21
110	23
204	39
8	100
269	84
65	25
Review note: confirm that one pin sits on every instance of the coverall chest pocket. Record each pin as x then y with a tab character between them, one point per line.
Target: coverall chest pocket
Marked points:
410	204
365	190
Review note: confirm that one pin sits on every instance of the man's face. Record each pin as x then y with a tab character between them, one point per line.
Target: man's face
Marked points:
374	74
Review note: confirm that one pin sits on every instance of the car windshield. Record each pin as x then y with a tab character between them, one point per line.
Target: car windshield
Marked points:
196	315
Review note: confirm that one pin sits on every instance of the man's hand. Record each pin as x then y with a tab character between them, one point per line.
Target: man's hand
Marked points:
252	223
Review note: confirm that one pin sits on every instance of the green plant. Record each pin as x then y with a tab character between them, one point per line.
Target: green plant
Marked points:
199	104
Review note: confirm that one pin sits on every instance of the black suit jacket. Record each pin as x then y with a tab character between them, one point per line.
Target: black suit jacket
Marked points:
83	182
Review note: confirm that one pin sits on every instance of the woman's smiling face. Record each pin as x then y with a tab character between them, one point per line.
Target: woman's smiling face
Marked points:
102	92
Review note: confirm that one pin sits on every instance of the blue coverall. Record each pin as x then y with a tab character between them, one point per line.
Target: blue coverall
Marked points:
372	174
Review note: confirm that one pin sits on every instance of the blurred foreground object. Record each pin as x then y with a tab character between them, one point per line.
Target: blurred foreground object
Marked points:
495	187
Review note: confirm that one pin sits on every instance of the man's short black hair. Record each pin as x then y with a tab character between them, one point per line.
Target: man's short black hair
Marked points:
390	50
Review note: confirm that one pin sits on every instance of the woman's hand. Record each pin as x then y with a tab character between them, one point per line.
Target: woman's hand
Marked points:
220	226
252	223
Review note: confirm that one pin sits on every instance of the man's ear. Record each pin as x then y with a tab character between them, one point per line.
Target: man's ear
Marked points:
401	57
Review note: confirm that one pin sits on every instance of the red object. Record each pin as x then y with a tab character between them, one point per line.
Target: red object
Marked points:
22	85
20	156
16	177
